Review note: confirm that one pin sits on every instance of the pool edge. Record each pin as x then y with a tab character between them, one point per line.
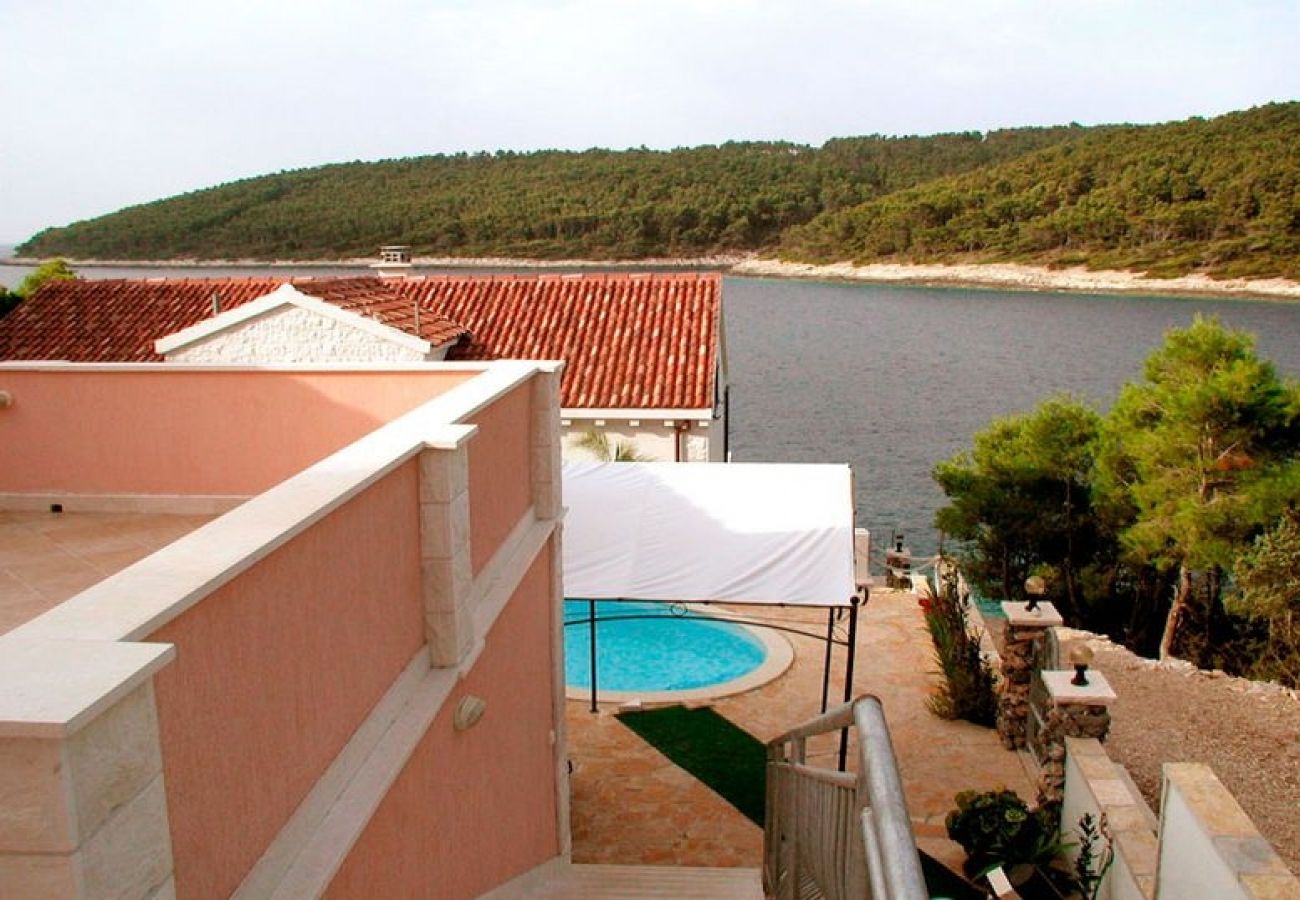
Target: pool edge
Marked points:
779	657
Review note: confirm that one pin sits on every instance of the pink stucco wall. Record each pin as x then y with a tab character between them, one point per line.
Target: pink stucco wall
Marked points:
166	430
275	670
500	485
472	810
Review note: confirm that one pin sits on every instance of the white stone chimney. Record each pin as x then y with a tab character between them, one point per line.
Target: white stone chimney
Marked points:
394	261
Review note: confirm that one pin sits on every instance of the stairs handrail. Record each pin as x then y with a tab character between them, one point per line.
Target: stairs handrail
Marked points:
888	850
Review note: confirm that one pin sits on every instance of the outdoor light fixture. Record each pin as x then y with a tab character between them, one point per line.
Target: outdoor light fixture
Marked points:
468	711
6	399
1080	656
1035	587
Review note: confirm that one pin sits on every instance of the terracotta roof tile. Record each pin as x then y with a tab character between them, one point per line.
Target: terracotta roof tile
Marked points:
634	341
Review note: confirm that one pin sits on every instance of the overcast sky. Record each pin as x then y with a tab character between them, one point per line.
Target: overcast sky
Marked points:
106	104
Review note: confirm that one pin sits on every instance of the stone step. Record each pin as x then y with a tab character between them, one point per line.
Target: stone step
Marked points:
602	882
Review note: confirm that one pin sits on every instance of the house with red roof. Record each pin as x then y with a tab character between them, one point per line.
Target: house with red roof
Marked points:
645	353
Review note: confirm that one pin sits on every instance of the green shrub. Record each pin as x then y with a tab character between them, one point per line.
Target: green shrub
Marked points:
997	828
967	690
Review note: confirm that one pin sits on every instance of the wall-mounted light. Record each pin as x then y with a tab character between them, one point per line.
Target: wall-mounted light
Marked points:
6	399
468	711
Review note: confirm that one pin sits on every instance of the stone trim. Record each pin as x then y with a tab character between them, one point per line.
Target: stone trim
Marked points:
84	814
1095	784
559	712
1208	843
531	882
157	504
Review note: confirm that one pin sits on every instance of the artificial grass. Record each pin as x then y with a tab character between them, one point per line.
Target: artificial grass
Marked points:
728	759
733	763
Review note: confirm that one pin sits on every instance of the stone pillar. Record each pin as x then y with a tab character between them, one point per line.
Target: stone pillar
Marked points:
446	568
1070	711
83	813
1025	632
544	450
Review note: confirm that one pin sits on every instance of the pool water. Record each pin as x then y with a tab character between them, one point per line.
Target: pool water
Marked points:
664	653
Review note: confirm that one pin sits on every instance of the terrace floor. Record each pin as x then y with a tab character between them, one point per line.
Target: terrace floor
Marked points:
631	805
45	557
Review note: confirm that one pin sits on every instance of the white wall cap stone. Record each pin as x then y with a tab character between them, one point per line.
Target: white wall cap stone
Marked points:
43	875
36	810
165	891
58	365
445	528
444	472
131	855
1097	692
54	688
286	295
114	758
1045	616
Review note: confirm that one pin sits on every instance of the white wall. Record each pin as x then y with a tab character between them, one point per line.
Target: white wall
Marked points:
649	437
1208	845
291	334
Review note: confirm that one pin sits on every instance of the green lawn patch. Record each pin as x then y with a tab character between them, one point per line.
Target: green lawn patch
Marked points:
731	761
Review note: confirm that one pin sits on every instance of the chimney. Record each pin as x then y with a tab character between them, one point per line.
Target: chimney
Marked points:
394	261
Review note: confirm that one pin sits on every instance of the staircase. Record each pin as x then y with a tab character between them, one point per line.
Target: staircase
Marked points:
587	882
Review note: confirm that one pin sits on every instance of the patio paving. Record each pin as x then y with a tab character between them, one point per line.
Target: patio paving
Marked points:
631	805
45	557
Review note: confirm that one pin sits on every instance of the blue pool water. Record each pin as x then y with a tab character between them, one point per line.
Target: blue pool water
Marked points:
664	653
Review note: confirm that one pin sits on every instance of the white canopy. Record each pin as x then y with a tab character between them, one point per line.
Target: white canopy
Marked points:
734	532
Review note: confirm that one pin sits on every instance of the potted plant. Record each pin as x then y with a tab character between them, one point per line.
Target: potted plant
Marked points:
998	829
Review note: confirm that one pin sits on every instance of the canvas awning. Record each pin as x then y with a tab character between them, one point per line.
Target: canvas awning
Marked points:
735	532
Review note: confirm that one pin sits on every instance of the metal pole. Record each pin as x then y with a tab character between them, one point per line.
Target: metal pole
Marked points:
591	614
848	674
826	664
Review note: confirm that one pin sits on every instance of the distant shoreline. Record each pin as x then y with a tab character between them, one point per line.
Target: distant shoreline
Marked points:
1005	276
1018	277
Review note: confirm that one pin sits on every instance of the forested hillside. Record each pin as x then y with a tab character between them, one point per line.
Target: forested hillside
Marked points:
597	204
1221	196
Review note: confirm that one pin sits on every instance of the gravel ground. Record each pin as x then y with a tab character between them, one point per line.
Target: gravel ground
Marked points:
1247	732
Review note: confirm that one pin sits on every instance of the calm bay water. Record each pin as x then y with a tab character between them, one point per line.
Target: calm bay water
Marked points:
893	379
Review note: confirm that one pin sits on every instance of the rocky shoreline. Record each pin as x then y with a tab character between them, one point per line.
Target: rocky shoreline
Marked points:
1018	277
1004	276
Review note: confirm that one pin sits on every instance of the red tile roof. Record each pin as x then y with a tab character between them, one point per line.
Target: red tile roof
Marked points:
632	341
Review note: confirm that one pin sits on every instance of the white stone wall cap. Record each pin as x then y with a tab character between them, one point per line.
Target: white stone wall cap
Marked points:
1097	692
1045	616
52	688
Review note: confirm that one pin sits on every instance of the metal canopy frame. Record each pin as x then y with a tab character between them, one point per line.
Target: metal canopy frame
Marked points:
833	616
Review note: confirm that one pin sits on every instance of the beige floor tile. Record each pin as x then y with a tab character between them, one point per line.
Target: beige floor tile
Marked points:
630	805
45	558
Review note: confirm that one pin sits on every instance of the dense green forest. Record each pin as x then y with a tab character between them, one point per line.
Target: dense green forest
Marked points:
597	204
1220	196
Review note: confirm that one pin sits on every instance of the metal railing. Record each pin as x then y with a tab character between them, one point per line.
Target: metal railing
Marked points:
839	835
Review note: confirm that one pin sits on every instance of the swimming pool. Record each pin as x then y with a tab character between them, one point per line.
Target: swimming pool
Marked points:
680	655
